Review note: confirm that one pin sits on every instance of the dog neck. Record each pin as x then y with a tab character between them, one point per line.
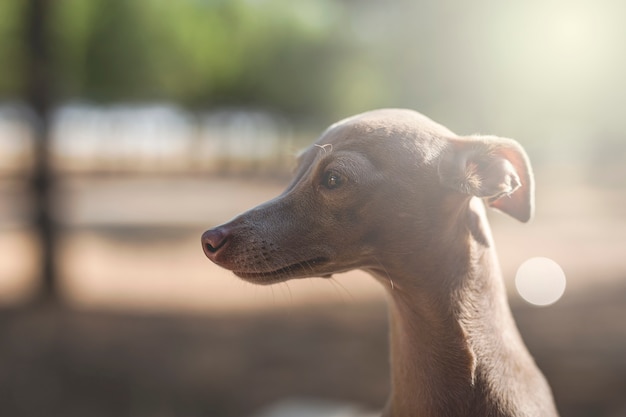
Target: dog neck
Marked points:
455	349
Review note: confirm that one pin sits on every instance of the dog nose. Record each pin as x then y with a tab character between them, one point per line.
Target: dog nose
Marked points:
213	240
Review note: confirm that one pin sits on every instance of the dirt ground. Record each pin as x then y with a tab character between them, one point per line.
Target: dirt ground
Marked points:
101	363
150	328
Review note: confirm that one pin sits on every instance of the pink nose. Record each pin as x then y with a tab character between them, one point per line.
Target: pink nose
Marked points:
213	240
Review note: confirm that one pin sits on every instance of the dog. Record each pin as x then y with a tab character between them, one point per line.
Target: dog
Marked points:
402	197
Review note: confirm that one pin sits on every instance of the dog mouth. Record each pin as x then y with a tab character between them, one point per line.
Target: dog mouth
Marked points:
300	269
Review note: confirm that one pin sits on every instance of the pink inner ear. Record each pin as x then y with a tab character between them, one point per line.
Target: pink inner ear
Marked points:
518	201
498	178
515	205
493	168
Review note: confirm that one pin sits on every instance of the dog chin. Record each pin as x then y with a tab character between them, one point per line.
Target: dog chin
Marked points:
306	269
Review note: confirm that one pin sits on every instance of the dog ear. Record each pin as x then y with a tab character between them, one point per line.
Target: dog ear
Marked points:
493	168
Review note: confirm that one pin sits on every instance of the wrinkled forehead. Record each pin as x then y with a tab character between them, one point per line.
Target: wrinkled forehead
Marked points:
385	137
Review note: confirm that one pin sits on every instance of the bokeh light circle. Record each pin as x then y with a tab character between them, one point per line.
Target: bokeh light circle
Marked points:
540	281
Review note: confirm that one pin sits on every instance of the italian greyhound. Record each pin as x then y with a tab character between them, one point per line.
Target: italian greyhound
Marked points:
395	194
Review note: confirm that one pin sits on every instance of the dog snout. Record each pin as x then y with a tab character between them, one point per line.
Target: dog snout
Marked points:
213	240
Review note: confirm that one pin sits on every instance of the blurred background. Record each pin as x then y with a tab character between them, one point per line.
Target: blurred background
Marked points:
128	127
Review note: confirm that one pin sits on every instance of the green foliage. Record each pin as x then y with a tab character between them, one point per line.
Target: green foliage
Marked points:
12	47
486	67
271	53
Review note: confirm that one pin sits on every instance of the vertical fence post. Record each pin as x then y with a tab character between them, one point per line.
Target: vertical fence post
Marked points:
38	85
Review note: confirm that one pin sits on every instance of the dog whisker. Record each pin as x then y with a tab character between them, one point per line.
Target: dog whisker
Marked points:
324	147
286	286
387	275
338	285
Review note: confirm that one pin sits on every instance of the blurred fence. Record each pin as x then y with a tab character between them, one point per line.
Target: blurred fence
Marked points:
94	151
151	139
161	138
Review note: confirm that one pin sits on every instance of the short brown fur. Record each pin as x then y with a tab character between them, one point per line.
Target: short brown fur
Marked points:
401	197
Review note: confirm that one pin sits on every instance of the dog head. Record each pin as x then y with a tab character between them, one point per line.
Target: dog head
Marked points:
382	184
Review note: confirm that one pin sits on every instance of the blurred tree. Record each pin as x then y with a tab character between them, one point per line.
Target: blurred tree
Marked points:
12	48
38	95
268	53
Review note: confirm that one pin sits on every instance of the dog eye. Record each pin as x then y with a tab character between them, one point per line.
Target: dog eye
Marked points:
332	180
